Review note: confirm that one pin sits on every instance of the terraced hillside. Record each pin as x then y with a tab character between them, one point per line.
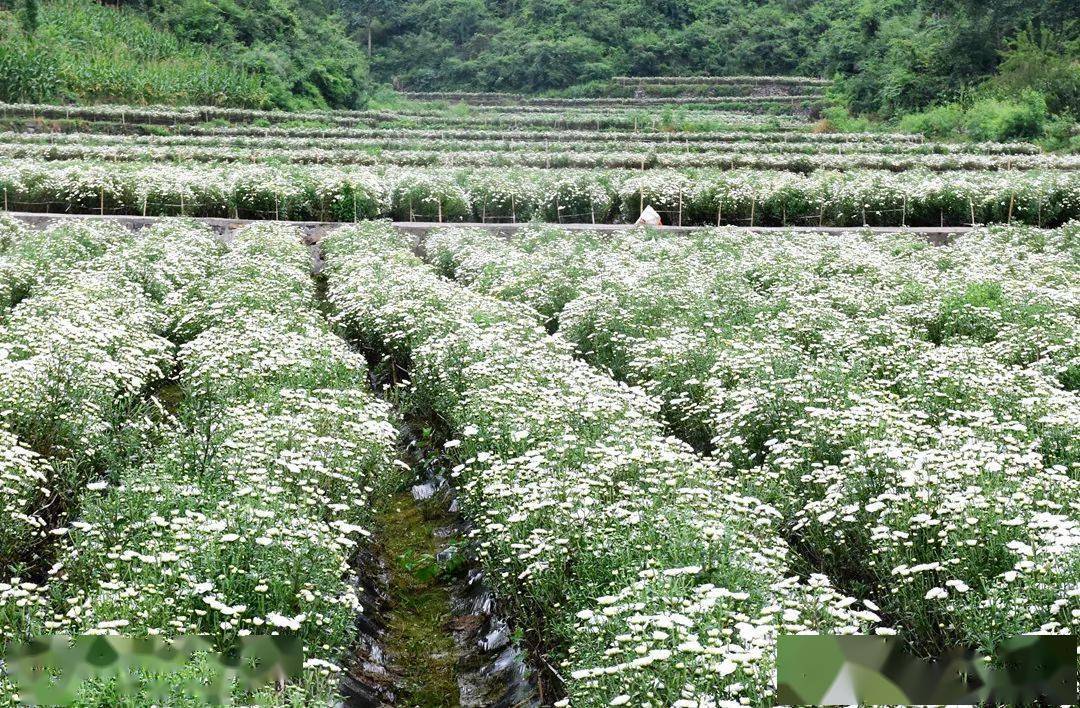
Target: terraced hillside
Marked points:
752	159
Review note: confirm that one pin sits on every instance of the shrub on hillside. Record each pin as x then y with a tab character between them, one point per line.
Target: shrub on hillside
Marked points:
1021	119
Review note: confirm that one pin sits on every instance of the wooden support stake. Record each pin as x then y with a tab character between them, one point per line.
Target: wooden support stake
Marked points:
680	207
1012	203
753	204
103	201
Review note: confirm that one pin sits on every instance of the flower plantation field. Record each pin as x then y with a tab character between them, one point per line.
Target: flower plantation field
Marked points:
126	514
745	197
911	412
665	450
898	156
510	158
593	466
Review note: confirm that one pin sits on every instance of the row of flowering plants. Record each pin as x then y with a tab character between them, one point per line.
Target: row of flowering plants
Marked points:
886	142
36	369
234	524
454	153
520	100
702	197
80	352
639	571
911	411
703	149
479	116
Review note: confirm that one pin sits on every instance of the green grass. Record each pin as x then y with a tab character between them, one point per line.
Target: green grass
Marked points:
422	648
83	51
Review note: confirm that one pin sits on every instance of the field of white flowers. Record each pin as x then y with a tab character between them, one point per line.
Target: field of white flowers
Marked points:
576	162
668	450
660	450
911	412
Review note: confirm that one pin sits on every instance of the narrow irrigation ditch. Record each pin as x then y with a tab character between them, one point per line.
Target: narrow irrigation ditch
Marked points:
432	633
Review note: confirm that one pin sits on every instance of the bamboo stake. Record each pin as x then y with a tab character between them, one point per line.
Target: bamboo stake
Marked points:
103	201
753	203
1012	202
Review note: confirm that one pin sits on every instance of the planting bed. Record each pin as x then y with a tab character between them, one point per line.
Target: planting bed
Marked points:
560	466
639	457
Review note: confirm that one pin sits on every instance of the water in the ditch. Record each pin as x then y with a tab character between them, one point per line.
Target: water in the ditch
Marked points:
432	635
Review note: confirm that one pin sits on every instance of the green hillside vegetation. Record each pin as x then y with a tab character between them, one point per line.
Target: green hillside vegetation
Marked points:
284	54
1002	68
944	68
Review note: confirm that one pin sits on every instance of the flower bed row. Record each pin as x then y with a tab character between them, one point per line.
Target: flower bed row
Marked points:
744	197
911	411
520	100
479	115
644	156
337	149
28	255
636	570
247	518
788	137
79	354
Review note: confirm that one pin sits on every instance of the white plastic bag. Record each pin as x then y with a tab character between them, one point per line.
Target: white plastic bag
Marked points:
649	217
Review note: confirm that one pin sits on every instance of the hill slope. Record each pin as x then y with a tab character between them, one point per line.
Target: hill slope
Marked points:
285	53
897	54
